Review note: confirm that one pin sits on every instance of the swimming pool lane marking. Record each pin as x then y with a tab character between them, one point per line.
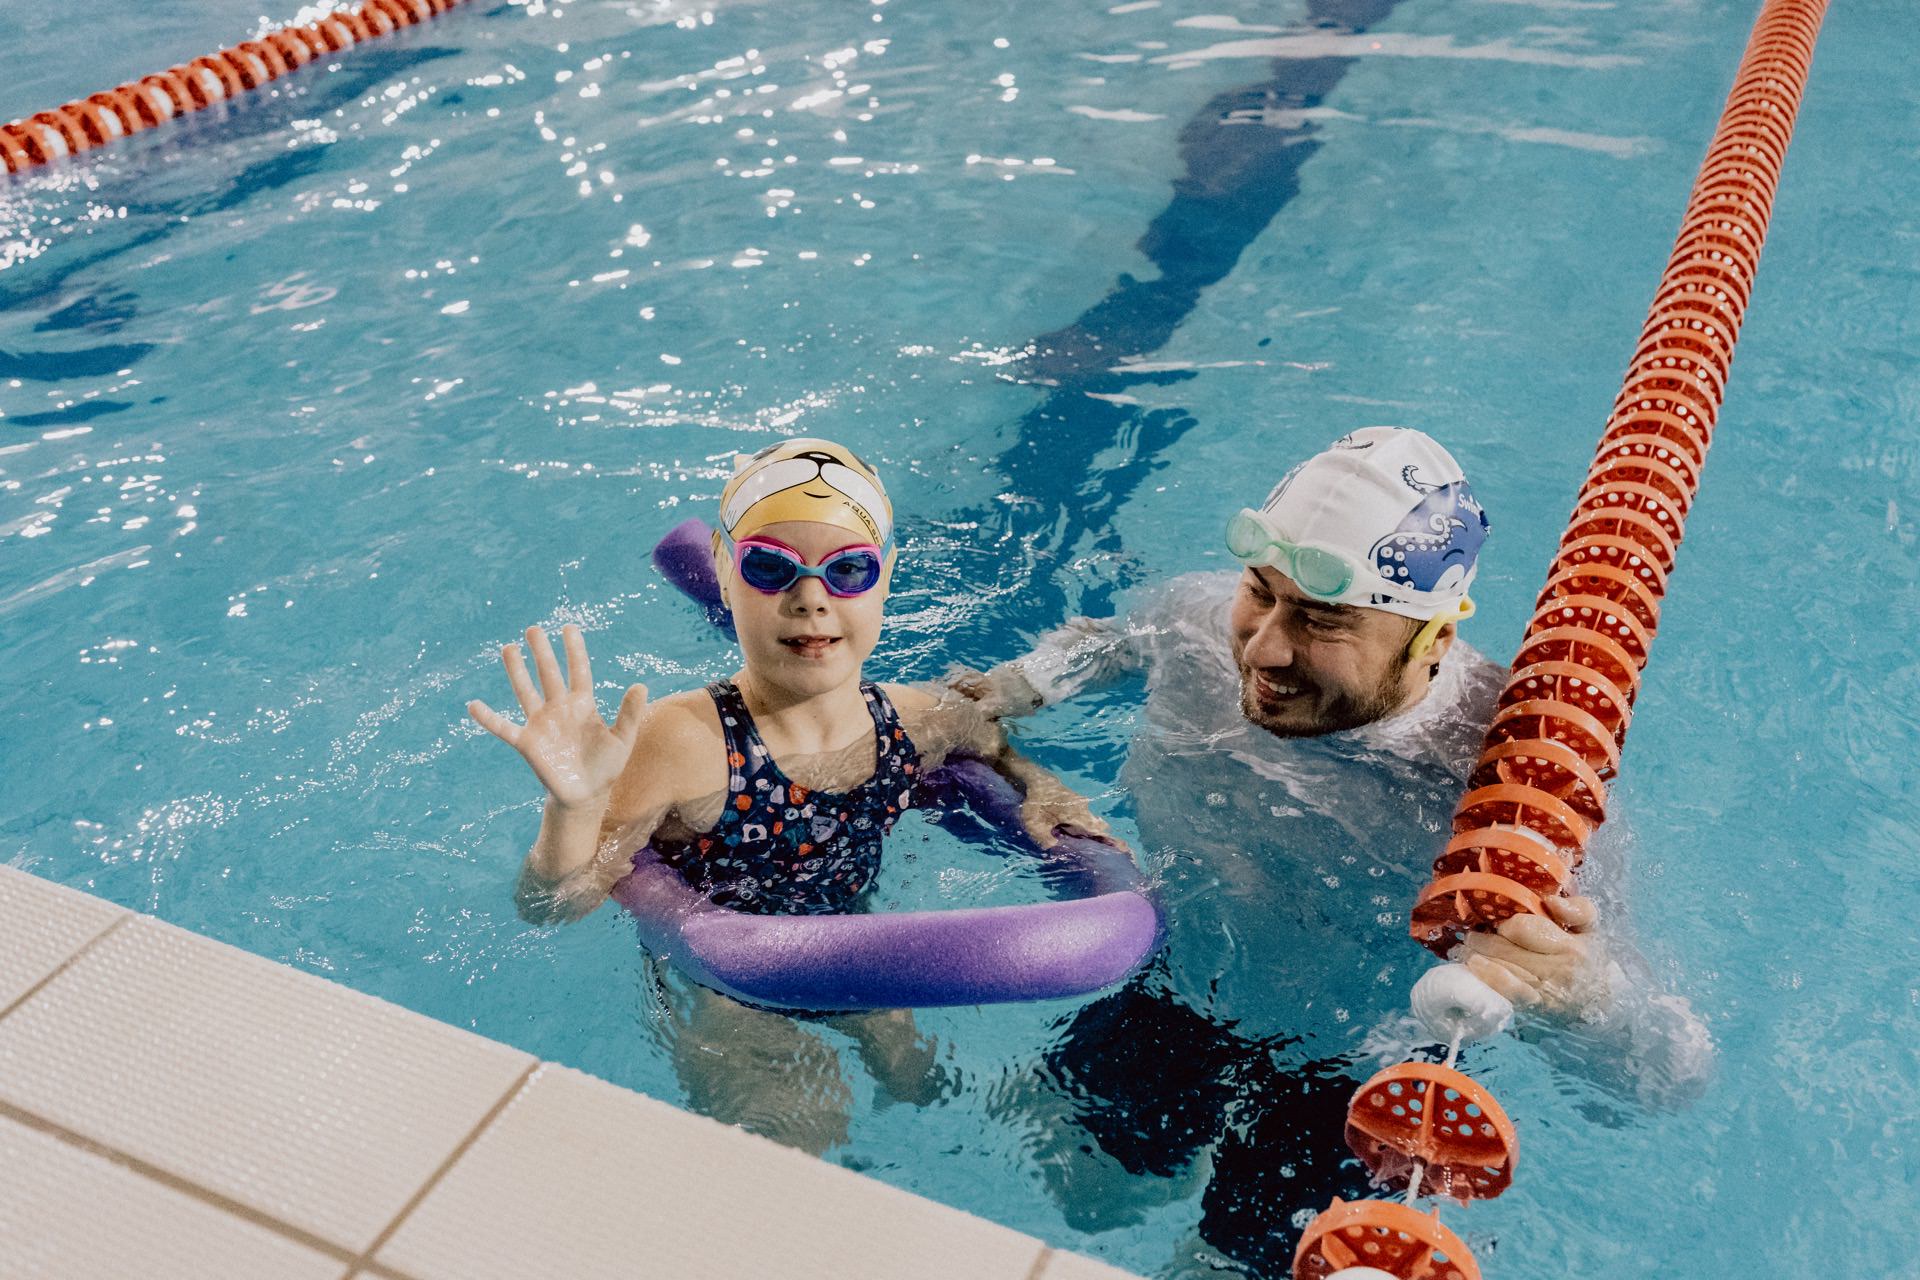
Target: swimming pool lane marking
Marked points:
1523	827
120	112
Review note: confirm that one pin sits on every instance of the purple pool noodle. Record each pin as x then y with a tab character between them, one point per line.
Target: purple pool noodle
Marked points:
905	959
685	558
895	960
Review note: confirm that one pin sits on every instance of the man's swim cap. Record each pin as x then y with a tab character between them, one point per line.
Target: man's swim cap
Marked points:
1393	500
805	479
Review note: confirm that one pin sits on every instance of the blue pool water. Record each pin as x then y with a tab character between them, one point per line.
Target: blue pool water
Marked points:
307	405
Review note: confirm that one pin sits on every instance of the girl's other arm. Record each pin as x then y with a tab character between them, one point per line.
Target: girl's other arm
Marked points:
952	724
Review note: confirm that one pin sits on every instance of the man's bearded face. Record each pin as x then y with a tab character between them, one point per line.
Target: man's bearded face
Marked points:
1308	668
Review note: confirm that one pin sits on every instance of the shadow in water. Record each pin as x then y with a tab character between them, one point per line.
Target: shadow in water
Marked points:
1238	171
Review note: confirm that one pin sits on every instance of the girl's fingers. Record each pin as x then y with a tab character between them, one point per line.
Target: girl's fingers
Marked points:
494	723
626	725
516	665
552	685
579	670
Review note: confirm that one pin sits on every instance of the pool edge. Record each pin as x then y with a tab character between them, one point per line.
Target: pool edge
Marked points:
213	1086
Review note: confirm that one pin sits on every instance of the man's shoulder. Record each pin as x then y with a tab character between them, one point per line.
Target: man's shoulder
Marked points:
1191	598
1448	725
1478	681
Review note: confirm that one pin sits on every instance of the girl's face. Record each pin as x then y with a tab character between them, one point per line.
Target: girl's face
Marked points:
805	639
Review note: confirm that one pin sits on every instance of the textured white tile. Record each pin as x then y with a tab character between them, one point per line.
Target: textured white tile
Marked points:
67	1214
41	924
316	1105
1062	1265
578	1180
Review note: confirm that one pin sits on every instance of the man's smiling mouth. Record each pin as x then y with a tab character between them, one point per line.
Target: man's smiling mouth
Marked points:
1273	691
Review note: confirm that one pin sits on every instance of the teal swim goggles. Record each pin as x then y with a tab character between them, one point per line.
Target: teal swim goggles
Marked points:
1326	574
1333	577
1321	572
1337	578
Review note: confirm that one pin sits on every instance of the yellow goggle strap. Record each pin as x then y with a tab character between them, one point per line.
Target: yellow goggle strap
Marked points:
1424	638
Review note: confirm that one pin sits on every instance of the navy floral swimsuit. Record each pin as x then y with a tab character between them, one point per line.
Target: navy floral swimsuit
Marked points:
782	849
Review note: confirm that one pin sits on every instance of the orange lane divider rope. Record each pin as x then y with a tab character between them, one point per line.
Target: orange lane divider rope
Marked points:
1539	790
125	110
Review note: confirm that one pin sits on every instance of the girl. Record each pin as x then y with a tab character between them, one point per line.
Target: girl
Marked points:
771	791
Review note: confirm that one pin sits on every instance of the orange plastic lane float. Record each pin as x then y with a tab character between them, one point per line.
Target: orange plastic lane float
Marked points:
1520	855
1552	720
1523	808
1596	617
1552	768
1538	792
1389	1237
120	112
1592	649
1643	532
1420	1114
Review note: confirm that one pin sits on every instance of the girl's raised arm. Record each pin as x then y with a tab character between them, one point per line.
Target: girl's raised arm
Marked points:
578	759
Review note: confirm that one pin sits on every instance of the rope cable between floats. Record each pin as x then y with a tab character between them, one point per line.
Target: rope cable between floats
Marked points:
120	112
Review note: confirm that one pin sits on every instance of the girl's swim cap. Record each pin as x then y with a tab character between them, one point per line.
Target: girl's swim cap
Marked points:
806	479
1391	499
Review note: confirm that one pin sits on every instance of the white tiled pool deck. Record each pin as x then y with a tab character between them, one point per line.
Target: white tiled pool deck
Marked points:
173	1107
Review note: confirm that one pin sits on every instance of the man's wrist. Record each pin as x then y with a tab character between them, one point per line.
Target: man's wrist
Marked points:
1018	691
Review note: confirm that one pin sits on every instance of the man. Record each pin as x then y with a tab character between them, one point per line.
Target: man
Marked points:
1308	727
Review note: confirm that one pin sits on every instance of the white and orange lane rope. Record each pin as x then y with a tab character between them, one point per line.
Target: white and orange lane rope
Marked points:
1538	792
120	112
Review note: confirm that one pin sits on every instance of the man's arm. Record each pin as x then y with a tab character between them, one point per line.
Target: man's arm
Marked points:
1620	1026
1577	975
1082	654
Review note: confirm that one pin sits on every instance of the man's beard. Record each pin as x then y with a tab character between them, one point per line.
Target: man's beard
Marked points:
1330	712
